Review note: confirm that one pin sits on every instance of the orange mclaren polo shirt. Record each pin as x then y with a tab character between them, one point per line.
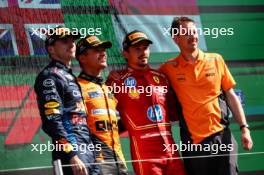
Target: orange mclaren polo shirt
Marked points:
198	87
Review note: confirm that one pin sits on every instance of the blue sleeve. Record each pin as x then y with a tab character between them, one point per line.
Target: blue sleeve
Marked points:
49	91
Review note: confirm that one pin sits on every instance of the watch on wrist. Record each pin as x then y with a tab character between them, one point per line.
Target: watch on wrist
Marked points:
244	126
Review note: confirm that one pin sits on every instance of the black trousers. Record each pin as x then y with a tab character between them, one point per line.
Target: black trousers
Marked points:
216	154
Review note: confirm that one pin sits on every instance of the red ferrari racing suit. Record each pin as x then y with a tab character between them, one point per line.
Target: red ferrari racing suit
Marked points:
142	103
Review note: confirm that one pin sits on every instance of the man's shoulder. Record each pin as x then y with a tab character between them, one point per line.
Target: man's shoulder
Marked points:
210	56
117	75
158	73
171	61
51	74
174	62
48	71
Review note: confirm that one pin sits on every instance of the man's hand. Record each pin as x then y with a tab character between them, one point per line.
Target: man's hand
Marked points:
78	167
246	140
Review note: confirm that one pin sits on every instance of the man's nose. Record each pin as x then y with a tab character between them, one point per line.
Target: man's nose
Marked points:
71	44
145	51
103	52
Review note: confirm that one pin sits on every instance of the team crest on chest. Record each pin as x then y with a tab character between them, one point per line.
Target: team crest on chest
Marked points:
156	79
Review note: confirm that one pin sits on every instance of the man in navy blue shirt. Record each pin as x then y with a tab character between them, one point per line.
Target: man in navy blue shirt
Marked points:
61	106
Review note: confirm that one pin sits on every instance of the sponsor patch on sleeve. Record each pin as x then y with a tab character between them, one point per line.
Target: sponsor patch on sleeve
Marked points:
67	147
51	104
52	111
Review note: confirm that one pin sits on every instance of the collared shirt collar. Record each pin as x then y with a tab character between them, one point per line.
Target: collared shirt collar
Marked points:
60	65
97	80
130	69
183	62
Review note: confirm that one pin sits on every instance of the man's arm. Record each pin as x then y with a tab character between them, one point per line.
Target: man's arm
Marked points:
49	90
240	118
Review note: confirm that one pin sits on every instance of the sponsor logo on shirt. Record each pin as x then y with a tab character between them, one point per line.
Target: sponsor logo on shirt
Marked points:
51	97
209	72
69	77
77	119
156	79
48	83
130	81
49	91
52	111
79	107
50	117
154	113
106	125
51	105
103	112
95	94
180	77
133	94
76	93
67	147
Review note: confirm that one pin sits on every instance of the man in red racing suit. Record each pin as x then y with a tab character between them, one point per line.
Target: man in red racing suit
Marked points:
142	95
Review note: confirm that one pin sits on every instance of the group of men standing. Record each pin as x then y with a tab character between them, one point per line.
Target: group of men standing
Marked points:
195	88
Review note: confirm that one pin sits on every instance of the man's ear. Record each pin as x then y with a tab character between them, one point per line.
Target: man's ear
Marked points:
80	58
175	39
50	50
125	54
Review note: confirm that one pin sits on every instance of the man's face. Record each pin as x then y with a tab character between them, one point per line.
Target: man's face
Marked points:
94	58
188	39
63	49
137	55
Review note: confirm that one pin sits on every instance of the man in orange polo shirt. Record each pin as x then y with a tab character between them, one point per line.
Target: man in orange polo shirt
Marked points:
203	85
